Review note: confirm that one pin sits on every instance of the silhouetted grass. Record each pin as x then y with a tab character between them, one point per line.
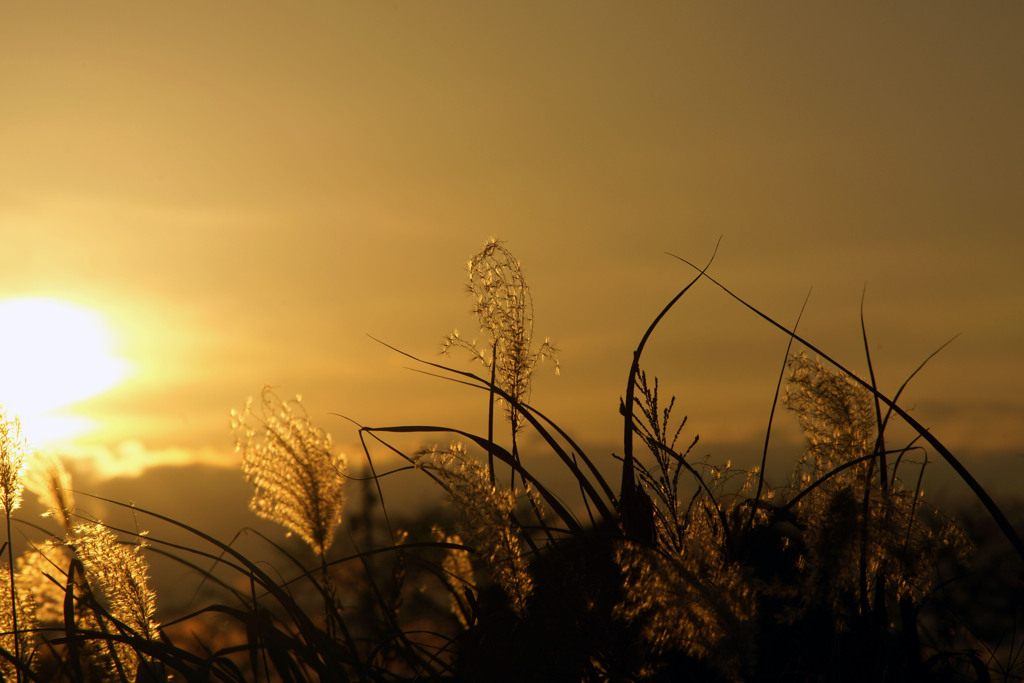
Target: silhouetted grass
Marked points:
683	569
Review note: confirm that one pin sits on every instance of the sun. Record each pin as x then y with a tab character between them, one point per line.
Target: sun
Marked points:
53	354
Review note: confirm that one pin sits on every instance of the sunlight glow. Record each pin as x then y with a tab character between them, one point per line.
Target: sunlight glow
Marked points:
53	354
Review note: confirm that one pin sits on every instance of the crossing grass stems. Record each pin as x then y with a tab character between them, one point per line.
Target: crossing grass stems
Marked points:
683	567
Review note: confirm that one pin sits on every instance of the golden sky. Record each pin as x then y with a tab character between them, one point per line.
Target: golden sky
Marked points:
244	191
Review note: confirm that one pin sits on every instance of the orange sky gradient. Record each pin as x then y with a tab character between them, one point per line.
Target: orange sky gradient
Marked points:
245	191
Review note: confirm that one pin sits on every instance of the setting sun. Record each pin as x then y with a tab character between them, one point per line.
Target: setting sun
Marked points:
53	354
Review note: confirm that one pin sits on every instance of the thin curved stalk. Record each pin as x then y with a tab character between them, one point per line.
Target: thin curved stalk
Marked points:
771	418
527	411
883	466
14	598
501	454
531	416
629	503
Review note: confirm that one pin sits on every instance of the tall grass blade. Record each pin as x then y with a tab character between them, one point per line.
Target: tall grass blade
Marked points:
771	417
994	511
634	511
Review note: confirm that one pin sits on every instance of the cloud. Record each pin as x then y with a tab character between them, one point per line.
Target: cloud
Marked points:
132	458
993	426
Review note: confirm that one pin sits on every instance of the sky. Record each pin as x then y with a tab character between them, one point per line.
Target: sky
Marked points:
240	194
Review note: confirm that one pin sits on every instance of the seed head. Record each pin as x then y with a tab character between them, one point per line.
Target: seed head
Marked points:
298	479
122	573
13	462
51	481
503	306
458	575
485	518
42	577
26	627
834	411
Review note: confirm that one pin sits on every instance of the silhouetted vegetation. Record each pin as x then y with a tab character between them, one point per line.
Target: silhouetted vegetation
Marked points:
682	569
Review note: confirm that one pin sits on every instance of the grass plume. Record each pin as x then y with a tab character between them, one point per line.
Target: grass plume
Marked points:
290	462
14	453
503	306
50	480
485	516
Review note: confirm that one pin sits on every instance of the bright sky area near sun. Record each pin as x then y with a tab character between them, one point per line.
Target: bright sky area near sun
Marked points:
197	199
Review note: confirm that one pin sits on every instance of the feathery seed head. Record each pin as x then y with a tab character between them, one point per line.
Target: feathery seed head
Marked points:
458	572
894	535
834	411
122	573
298	480
26	626
42	576
504	309
50	480
485	517
14	453
682	602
